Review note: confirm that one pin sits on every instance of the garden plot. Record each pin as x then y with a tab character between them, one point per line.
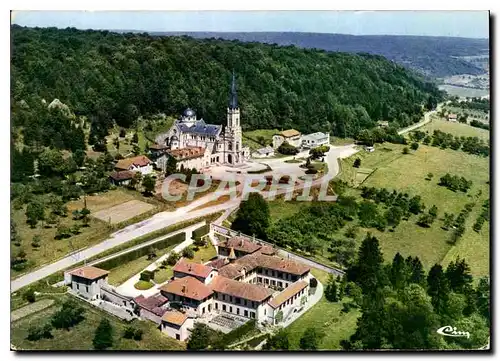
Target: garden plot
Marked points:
123	212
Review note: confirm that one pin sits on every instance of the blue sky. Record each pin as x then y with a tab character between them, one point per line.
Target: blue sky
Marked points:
472	24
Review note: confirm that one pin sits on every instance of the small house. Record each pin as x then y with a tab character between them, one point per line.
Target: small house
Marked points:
315	140
120	178
292	136
264	152
370	149
177	325
141	163
452	117
87	281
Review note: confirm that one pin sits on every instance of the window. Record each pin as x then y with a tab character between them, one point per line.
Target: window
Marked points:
177	336
77	286
237	311
216	306
203	310
223	307
273	282
252	314
246	313
280	284
238	300
259	279
231	309
87	289
223	297
230	298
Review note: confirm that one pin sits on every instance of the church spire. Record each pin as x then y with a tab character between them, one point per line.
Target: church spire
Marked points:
233	97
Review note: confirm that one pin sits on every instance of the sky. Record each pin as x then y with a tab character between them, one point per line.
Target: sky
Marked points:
469	24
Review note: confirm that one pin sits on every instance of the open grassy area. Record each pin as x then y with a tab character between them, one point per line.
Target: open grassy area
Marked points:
80	337
52	249
455	128
255	138
393	170
123	272
327	319
280	208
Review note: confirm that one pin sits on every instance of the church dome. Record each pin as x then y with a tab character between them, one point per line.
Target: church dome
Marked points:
189	112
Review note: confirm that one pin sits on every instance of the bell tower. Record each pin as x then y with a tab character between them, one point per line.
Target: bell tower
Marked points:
233	128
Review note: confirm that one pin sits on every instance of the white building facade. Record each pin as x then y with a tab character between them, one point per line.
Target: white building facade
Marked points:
223	146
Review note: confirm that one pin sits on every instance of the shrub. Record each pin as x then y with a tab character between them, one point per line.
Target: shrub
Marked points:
406	150
147	275
68	316
36	333
188	252
103	337
287	149
357	163
173	257
29	295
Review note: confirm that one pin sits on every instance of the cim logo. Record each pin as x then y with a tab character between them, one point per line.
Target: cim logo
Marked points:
452	332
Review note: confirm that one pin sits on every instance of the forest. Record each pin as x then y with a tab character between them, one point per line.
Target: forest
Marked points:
112	78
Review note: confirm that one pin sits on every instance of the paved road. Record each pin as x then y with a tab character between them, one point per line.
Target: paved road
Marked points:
162	220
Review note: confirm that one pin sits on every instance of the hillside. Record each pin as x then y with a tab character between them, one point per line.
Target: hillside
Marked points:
433	56
109	77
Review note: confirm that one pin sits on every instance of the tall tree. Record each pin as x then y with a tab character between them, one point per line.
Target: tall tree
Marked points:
438	288
103	337
459	276
253	216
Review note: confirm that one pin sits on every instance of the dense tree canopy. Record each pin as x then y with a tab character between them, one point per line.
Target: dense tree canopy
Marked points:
107	76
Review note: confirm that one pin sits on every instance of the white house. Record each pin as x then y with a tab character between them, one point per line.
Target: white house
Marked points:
140	163
315	139
87	281
177	325
452	117
264	152
292	136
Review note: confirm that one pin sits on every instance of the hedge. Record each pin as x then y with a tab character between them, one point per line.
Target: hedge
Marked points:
147	275
133	255
202	231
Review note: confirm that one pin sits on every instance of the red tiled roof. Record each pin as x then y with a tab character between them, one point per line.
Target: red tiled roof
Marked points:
187	153
122	175
89	272
240	243
191	268
158	147
175	317
188	287
139	161
218	263
257	259
287	293
267	250
152	303
240	289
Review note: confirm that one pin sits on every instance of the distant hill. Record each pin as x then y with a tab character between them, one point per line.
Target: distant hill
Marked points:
432	56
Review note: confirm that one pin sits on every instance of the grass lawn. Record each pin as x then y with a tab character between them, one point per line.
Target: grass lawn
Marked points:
143	285
123	272
326	318
81	335
393	170
457	129
163	274
204	254
254	138
279	208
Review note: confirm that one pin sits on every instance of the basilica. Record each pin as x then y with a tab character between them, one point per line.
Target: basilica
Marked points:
196	144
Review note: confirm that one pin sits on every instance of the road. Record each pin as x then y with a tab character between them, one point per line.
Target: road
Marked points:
427	119
166	219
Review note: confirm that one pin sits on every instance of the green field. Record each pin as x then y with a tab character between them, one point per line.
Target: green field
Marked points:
52	249
254	138
80	337
457	129
326	318
393	170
